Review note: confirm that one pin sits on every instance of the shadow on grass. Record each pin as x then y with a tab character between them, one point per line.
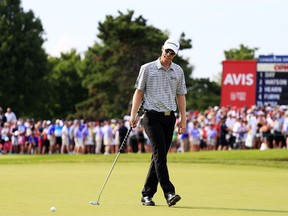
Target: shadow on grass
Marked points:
232	209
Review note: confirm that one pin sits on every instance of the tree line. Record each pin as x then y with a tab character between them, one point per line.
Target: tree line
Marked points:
96	85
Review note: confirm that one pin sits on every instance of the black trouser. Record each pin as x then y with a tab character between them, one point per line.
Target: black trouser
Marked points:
159	129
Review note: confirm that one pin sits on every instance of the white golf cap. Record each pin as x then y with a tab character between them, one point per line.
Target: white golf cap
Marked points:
172	44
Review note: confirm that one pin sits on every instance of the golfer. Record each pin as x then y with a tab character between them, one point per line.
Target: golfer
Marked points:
161	84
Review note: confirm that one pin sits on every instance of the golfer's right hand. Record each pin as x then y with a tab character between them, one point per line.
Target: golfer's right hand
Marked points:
133	121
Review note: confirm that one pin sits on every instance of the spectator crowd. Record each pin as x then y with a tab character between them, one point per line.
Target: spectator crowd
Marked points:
216	128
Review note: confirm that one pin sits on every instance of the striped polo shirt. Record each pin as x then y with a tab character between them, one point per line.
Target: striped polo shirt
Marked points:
161	87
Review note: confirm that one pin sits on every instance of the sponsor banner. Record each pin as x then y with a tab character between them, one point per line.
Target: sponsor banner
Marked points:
238	85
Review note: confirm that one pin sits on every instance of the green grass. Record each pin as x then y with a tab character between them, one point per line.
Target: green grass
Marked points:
210	183
270	158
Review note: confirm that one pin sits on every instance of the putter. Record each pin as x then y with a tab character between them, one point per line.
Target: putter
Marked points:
115	160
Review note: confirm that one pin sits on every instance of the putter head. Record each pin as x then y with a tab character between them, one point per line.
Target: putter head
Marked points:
94	203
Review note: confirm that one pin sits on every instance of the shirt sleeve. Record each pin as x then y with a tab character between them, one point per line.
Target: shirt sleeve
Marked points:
142	78
181	89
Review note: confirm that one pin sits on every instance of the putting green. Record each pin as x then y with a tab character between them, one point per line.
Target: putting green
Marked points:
206	189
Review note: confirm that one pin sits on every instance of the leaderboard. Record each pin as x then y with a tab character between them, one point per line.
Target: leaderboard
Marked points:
272	80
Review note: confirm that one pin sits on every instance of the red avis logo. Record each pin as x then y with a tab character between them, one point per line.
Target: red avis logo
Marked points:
238	79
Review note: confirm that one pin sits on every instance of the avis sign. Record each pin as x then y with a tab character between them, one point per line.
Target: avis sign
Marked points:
238	83
239	79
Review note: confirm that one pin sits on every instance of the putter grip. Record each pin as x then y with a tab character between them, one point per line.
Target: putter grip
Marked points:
130	129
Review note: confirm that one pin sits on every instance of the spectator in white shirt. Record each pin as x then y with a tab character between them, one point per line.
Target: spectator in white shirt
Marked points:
10	116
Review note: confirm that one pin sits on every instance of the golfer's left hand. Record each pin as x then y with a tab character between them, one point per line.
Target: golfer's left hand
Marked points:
182	126
181	130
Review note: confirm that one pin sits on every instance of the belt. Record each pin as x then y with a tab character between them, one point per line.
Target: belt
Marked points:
168	113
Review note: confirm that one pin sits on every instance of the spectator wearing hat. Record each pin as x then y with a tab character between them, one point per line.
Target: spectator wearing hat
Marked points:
98	133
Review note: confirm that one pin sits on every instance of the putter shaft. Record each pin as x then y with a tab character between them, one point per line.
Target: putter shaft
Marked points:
116	158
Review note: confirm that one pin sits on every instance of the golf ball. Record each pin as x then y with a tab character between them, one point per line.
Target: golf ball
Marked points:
53	209
93	202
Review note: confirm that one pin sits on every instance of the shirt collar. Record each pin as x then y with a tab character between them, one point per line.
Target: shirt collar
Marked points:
159	65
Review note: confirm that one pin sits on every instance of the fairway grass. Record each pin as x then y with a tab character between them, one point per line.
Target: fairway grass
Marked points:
209	184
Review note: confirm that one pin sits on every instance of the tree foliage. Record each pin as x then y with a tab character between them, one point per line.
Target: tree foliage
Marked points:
23	61
112	66
64	83
98	86
203	93
243	53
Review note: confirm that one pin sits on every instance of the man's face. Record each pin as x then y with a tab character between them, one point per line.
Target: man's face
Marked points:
168	54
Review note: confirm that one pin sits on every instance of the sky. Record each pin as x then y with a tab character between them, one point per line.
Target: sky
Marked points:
212	25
